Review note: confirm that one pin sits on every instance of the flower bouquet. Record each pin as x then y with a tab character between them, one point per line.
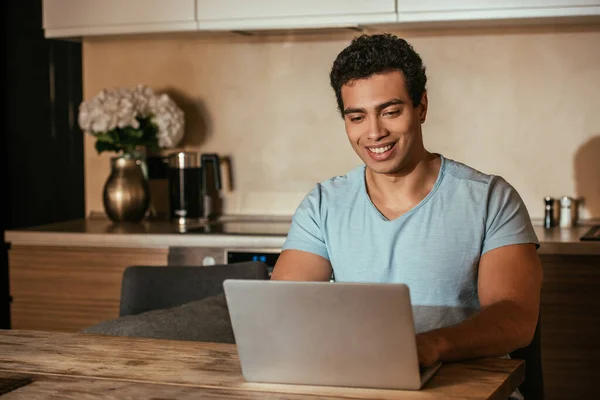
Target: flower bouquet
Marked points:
125	120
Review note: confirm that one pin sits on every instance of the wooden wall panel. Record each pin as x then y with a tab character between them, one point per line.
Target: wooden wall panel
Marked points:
571	327
69	288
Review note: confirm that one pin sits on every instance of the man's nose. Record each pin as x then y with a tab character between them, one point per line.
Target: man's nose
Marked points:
376	129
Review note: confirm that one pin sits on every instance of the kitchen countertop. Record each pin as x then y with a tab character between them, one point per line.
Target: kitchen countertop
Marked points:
566	241
100	232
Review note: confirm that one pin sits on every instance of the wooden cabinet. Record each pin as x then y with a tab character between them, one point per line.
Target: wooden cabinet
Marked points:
276	14
465	10
71	18
69	288
570	315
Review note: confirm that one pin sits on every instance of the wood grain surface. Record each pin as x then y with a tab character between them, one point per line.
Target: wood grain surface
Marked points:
67	289
54	387
570	335
209	366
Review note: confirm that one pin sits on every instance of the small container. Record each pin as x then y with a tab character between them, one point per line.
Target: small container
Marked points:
568	212
551	214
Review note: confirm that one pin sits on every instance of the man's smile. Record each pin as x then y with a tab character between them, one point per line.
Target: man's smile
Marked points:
381	152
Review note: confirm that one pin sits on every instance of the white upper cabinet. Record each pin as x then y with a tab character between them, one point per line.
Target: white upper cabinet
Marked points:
284	14
465	10
76	18
71	18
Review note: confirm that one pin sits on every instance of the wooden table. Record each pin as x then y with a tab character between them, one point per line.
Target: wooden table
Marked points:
80	366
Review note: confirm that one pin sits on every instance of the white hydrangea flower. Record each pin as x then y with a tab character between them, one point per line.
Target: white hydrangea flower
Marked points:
120	108
169	120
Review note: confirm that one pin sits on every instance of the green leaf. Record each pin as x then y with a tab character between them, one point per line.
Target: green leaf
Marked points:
132	133
128	139
104	137
114	135
102	146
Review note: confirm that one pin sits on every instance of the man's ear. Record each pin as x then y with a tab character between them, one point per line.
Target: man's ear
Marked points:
423	111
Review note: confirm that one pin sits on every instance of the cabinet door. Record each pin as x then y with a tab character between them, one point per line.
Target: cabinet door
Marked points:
70	288
275	14
570	326
68	18
443	10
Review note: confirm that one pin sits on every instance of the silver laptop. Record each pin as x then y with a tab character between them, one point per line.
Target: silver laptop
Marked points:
322	333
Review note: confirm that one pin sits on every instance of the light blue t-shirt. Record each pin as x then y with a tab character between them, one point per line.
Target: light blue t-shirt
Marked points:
434	248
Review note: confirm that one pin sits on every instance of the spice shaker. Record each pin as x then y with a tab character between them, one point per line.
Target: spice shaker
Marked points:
551	212
568	212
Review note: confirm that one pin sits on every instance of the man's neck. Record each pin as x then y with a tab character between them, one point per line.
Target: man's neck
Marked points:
395	194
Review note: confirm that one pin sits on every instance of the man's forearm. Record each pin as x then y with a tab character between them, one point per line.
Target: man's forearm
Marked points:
495	331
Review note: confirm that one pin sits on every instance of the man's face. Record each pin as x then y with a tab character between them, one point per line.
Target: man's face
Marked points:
383	126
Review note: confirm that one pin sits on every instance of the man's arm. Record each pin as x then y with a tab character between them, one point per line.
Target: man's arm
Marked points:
509	285
296	265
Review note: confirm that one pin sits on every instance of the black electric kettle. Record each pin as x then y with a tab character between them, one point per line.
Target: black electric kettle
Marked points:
210	187
192	190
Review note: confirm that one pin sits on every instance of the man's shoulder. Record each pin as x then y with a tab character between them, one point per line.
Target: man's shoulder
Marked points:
341	187
337	193
463	172
473	180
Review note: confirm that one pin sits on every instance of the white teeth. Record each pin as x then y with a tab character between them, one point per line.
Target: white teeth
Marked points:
379	150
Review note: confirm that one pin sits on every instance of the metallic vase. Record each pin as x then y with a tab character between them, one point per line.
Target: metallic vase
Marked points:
126	194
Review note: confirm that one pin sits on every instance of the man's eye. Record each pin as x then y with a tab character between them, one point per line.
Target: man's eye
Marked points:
356	119
392	113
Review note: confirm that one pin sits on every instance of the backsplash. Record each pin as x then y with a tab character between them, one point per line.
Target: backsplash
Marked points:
521	103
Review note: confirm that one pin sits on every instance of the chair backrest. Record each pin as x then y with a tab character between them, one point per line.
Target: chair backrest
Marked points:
533	386
146	288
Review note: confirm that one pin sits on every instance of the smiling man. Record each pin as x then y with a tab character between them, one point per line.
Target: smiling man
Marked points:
460	239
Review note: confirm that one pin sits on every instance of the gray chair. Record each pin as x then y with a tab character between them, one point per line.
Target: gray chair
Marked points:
533	386
147	288
177	303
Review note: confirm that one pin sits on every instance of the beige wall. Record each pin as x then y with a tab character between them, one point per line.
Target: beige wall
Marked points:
521	103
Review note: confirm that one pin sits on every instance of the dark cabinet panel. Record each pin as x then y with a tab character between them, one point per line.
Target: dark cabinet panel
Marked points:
41	170
570	308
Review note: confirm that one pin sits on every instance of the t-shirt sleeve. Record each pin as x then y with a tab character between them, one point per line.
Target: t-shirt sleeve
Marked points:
508	220
306	231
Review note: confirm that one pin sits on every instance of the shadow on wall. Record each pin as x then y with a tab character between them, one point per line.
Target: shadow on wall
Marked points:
198	126
587	175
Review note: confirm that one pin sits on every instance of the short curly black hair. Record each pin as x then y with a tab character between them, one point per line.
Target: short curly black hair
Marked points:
374	54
